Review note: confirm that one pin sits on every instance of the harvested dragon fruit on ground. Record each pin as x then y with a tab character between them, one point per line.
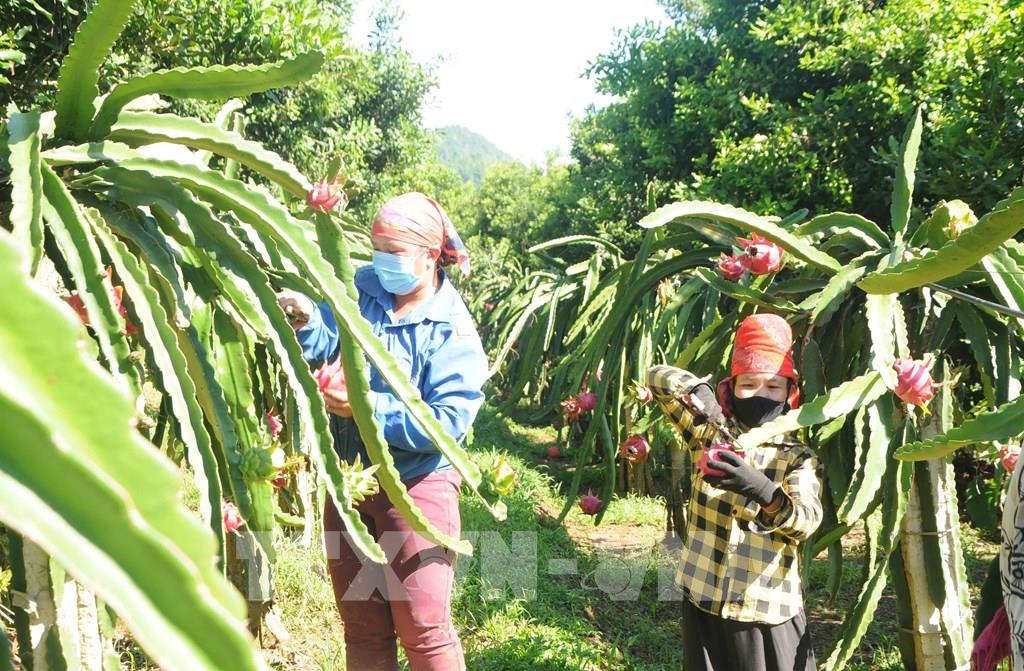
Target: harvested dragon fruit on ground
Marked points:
590	504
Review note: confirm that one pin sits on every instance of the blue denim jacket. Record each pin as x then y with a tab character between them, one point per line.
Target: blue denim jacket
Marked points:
439	349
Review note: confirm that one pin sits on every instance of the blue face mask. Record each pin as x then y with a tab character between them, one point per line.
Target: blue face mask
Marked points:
395	272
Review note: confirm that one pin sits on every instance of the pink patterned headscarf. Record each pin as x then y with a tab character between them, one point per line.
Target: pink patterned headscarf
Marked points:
419	219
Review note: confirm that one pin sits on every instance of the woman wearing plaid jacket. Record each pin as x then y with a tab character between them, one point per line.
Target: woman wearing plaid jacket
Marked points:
739	568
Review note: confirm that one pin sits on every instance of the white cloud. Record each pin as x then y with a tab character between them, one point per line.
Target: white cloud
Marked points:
512	72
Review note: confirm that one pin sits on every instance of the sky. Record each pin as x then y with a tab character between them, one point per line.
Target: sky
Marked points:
512	71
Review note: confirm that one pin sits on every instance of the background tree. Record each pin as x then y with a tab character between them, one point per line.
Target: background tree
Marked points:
363	105
777	106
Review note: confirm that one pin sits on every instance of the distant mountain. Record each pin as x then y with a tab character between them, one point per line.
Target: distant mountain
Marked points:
468	153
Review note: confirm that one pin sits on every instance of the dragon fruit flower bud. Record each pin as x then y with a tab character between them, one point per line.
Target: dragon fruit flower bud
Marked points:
361	482
590	504
665	291
960	218
914	382
635	449
760	255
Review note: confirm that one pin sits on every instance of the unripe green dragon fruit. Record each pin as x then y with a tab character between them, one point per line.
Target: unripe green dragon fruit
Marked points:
257	464
360	482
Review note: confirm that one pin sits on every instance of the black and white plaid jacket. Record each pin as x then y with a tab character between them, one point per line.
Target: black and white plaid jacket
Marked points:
738	563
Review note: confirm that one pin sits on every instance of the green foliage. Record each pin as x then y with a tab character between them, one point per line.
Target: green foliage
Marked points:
518	203
85	486
364	104
955	256
176	262
667	303
794	104
79	73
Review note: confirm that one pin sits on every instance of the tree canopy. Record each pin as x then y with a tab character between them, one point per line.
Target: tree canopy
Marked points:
791	104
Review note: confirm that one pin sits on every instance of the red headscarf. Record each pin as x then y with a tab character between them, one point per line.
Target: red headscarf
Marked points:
763	345
420	220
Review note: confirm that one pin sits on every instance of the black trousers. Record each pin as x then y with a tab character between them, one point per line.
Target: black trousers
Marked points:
712	643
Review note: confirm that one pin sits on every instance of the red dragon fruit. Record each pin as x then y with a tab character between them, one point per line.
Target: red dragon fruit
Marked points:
232	519
117	292
330	376
732	267
711	454
760	255
587	401
635	449
590	504
914	382
554	452
273	425
1009	453
324	196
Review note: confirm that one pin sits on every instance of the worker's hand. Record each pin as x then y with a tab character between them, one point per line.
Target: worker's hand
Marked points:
702	400
296	306
741	478
337	403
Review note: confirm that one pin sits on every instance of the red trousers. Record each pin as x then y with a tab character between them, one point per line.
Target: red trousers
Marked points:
407	600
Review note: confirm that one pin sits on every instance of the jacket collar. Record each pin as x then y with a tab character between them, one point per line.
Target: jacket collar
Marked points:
437	308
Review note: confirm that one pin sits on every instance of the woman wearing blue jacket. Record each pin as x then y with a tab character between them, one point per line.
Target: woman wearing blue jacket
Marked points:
424	323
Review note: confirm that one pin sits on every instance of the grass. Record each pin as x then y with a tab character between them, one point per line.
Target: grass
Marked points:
303	593
569	619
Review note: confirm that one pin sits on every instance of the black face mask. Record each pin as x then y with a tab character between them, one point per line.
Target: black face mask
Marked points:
758	410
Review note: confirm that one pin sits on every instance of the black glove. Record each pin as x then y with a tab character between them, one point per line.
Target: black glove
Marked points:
709	410
742	478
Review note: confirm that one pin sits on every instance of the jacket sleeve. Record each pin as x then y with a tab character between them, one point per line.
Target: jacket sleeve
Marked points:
669	384
319	337
801	511
452	382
